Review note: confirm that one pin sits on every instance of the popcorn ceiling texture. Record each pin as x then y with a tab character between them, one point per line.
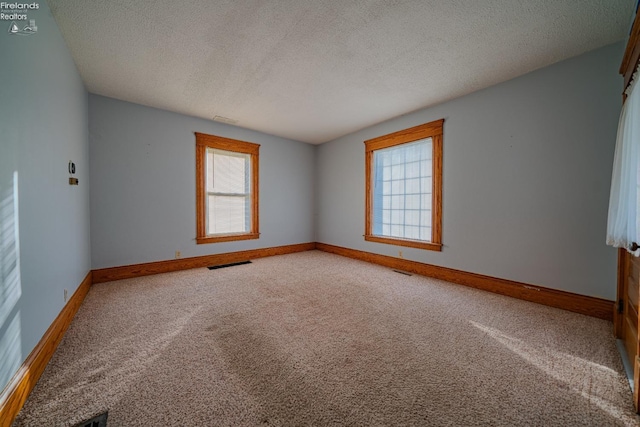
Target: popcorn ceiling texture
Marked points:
317	339
315	70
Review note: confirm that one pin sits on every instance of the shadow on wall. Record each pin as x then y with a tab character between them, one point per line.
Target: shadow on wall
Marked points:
10	284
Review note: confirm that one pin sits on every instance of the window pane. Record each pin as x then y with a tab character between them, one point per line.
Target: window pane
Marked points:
412	202
412	217
413	170
427	149
425	167
425	233
227	172
397	157
425	218
425	202
227	214
412	152
425	184
386	202
397	172
397	202
412	233
228	178
402	196
397	216
386	173
413	186
397	187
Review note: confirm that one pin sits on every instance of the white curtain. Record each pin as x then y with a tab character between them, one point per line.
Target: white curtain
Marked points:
623	222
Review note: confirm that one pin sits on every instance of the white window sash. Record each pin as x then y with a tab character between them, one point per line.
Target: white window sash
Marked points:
226	225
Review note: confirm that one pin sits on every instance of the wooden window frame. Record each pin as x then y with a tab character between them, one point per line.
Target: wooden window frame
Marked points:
433	130
204	141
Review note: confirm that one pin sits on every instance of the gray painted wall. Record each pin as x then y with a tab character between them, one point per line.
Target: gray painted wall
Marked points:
143	191
44	222
527	170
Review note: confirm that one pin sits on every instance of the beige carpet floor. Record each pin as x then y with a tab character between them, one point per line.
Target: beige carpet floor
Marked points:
317	339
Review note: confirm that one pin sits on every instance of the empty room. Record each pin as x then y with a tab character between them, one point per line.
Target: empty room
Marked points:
313	213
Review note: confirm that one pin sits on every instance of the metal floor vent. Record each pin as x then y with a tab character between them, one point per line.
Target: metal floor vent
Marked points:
215	267
97	421
403	272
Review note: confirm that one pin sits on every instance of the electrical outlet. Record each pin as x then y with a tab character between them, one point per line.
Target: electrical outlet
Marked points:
178	254
65	295
400	254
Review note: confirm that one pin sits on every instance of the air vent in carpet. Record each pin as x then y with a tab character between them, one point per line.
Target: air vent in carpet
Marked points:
215	267
97	421
403	272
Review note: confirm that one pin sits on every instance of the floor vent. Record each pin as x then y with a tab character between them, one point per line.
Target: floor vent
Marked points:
97	421
403	272
215	267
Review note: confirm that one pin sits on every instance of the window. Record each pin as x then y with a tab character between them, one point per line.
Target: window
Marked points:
404	187
226	189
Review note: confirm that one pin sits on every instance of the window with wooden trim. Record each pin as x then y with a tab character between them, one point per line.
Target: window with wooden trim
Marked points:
226	189
403	175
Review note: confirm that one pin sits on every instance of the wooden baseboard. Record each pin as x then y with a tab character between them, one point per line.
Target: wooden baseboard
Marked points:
137	270
19	387
591	306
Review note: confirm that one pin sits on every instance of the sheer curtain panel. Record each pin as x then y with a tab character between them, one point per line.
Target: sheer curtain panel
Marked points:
623	222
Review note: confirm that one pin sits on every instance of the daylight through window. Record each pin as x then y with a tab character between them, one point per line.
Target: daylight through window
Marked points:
227	190
404	184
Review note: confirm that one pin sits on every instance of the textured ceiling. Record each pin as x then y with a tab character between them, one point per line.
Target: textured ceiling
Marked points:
314	70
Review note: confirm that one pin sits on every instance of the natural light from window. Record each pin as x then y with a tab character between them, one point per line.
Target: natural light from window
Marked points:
228	192
403	187
403	191
227	188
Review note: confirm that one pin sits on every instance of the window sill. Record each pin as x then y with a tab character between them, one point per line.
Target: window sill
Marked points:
405	242
226	238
